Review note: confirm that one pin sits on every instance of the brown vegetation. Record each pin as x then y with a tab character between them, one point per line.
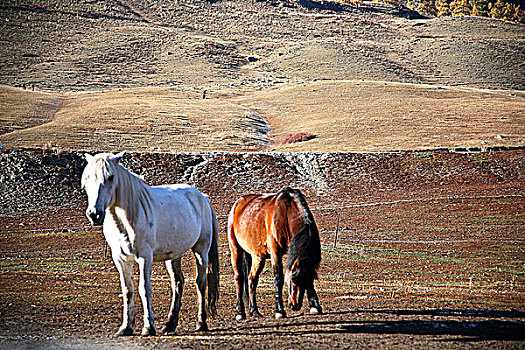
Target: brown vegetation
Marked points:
343	115
297	137
510	10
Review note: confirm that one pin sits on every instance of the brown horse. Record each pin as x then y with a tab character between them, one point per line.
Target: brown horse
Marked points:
269	226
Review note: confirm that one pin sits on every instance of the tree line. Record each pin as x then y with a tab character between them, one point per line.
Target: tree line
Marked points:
510	10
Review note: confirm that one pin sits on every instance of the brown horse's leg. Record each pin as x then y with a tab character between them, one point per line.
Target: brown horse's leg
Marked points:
177	284
313	301
253	279
238	274
277	264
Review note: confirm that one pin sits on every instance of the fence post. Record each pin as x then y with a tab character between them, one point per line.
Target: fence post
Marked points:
337	230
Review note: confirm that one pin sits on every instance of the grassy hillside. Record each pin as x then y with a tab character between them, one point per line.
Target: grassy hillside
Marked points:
344	116
375	116
131	74
147	119
85	45
21	109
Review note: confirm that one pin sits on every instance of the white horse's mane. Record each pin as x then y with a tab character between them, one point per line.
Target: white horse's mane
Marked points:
132	194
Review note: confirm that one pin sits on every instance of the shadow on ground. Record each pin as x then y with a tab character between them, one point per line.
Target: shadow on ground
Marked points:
469	325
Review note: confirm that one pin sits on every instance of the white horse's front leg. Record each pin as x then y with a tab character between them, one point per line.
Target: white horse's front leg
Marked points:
125	269
145	266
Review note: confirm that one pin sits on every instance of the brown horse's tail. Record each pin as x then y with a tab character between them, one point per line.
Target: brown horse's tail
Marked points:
213	267
246	267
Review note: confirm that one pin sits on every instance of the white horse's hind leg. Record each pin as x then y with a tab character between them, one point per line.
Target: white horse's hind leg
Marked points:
177	284
125	269
202	264
145	266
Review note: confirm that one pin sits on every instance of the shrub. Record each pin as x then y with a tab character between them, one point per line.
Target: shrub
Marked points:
297	137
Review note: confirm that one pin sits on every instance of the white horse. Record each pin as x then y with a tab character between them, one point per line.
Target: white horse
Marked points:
146	224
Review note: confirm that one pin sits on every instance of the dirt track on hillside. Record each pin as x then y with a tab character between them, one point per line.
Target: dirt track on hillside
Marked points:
429	252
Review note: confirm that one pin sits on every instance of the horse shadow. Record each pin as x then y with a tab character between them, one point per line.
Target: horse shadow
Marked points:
461	330
464	325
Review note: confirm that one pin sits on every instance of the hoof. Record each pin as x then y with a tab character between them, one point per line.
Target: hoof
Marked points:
315	311
256	314
201	327
279	315
147	331
240	317
169	328
124	331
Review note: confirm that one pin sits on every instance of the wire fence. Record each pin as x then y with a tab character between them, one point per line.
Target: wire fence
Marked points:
416	200
337	217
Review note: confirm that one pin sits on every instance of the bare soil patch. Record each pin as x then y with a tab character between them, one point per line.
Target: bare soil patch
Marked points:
429	252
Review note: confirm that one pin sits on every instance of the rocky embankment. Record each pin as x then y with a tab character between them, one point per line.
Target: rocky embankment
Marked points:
33	179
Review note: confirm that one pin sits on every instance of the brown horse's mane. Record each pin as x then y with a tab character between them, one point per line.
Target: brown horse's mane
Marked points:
305	245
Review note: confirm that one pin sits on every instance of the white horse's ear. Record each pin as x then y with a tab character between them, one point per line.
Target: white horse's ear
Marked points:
117	157
88	157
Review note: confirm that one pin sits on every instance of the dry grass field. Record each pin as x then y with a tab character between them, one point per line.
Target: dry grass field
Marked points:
343	115
379	116
147	119
24	109
131	75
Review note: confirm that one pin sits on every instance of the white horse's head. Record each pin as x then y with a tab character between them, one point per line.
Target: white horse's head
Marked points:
100	181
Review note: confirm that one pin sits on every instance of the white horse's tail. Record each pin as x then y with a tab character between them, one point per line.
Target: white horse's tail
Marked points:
213	267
